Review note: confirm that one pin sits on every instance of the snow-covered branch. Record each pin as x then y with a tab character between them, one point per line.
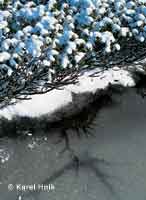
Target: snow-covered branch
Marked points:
44	44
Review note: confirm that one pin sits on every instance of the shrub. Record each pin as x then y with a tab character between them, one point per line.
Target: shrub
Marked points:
41	42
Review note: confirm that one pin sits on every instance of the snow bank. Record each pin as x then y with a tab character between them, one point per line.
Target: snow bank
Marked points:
50	102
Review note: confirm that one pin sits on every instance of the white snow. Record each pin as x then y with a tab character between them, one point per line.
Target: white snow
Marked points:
4	155
4	56
69	32
79	56
38	105
70	27
51	101
33	46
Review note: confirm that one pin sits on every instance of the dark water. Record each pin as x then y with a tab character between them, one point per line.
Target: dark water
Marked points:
111	164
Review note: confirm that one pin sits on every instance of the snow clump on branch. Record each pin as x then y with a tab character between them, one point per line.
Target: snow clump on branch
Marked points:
58	34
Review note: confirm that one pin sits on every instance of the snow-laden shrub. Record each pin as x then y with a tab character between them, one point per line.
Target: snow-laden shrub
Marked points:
43	36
